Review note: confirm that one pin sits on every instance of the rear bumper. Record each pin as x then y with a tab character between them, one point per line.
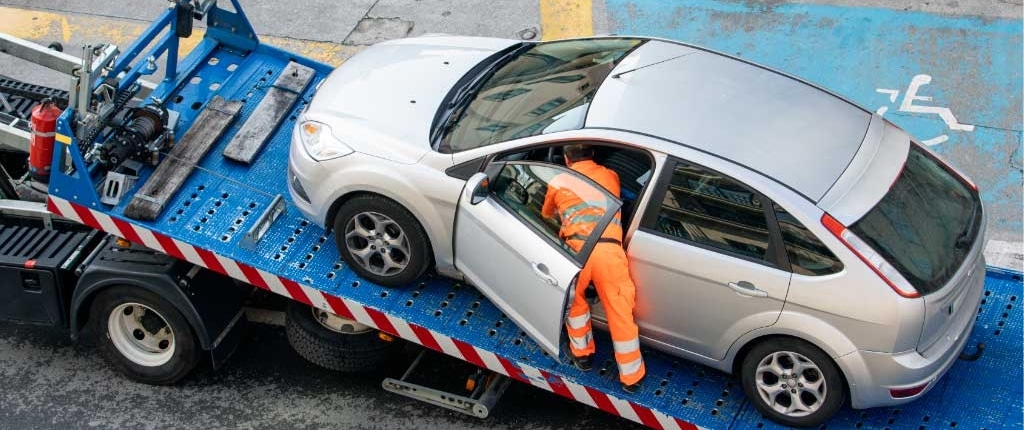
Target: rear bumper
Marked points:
880	372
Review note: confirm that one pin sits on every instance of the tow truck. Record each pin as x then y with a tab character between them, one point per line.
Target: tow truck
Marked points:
167	290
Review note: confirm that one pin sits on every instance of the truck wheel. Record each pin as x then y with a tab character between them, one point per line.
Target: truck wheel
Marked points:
792	382
381	240
336	343
143	335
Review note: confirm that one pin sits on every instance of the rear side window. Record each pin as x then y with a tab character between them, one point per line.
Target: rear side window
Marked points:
807	255
713	211
926	224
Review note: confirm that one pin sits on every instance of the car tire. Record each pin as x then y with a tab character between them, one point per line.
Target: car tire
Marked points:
143	336
335	343
381	241
770	370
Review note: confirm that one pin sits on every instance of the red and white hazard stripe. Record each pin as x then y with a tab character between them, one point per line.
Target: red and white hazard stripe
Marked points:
365	315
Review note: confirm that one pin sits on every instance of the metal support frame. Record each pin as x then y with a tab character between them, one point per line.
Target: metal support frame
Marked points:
54	60
488	388
226	27
28	209
84	82
231	28
13	138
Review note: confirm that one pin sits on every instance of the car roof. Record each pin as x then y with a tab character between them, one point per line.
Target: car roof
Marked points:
800	135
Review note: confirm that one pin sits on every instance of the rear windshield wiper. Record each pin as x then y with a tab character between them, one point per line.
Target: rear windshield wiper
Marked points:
966	238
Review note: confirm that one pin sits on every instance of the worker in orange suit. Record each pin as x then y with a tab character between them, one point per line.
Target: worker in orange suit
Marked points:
607	266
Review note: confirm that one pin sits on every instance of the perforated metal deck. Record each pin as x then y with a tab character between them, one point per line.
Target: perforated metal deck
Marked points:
222	199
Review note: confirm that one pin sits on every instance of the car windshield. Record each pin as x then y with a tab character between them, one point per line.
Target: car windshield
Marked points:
544	89
926	224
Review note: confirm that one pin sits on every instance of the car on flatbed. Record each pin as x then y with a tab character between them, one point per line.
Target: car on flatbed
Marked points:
774	229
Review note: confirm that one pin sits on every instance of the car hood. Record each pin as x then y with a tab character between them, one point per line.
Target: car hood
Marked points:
383	100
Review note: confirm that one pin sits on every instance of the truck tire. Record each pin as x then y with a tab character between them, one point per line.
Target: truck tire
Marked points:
336	343
142	335
381	240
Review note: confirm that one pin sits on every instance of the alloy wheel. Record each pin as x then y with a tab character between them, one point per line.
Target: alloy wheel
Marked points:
377	243
790	383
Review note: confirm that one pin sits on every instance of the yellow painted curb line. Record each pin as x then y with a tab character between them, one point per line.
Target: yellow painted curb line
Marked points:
76	29
561	19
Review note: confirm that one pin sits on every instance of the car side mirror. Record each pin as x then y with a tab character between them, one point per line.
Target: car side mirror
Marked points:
478	186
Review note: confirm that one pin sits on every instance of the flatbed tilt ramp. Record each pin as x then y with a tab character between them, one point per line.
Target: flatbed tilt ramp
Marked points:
210	219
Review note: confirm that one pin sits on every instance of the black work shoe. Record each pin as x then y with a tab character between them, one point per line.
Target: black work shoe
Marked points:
583	363
633	388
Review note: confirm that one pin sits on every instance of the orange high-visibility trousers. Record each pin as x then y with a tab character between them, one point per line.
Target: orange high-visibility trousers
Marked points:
609	271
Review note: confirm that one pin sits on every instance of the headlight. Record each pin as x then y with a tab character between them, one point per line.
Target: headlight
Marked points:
319	143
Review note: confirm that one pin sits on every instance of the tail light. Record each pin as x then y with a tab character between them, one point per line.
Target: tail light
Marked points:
875	261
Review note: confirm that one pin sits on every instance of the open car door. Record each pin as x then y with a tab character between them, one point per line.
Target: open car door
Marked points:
513	254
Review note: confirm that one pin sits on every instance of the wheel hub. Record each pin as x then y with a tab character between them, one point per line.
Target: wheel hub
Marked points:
791	384
140	334
337	324
377	243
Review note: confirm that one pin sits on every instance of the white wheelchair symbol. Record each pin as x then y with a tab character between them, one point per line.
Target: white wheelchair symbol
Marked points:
908	106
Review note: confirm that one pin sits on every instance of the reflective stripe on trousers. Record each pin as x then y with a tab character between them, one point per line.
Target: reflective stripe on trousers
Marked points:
627	355
609	271
581	339
581	343
579	322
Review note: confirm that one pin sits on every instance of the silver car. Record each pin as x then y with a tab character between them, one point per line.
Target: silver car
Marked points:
774	230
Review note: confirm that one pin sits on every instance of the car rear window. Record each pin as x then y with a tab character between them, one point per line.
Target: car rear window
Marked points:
926	224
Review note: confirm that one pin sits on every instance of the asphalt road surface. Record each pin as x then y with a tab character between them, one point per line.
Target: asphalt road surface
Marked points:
49	382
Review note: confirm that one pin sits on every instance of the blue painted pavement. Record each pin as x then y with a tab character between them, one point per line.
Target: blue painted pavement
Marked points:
962	74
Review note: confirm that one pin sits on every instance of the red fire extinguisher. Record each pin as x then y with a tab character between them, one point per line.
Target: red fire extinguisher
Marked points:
40	152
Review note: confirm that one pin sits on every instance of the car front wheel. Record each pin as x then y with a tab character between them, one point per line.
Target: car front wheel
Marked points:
381	240
792	382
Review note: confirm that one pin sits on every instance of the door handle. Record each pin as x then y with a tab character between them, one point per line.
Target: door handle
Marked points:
747	289
541	270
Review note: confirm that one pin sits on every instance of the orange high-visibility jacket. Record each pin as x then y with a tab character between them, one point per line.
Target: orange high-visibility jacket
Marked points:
578	206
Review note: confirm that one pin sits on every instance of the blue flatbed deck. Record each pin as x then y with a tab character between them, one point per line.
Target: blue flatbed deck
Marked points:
221	199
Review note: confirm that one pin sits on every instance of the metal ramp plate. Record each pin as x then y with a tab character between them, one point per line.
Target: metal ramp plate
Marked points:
222	199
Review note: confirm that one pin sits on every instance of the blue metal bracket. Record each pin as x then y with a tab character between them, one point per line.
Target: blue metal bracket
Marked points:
168	45
74	182
231	28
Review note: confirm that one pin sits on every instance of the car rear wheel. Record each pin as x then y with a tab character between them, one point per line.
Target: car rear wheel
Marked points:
792	382
381	240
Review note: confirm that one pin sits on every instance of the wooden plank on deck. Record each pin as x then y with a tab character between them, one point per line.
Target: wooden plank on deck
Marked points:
150	200
269	113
